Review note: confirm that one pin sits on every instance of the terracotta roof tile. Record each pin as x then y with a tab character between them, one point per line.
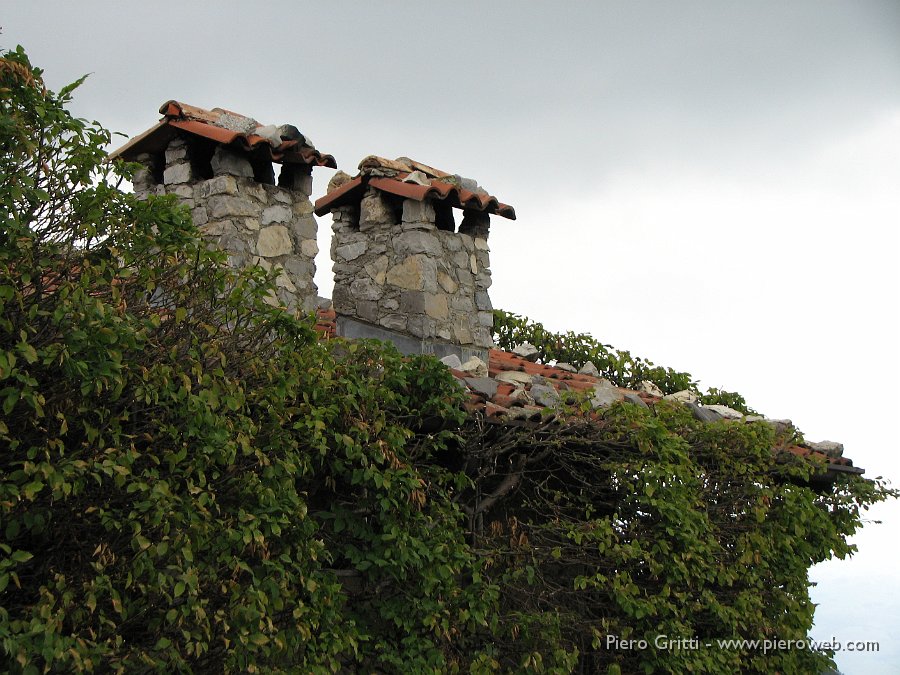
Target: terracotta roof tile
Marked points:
285	144
502	406
412	180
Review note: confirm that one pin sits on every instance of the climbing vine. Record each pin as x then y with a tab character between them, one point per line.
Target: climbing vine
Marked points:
619	367
190	481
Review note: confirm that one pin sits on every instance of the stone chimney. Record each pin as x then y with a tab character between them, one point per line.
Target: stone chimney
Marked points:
220	164
403	270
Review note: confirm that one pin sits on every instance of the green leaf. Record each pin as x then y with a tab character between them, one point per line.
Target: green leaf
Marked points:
21	556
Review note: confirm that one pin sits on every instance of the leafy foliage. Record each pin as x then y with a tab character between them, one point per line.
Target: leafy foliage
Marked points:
619	367
191	482
649	525
188	479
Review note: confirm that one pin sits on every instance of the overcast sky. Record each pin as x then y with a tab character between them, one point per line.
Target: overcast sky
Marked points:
710	185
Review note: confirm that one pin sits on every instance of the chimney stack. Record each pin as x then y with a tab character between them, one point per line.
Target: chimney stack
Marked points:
220	164
403	270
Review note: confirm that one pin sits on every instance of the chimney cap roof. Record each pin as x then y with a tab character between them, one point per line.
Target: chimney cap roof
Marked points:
410	179
284	144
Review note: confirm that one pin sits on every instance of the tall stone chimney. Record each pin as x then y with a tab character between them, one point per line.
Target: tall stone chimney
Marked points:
403	270
220	164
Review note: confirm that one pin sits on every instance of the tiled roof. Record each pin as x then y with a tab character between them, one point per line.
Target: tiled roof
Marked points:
281	144
413	180
514	390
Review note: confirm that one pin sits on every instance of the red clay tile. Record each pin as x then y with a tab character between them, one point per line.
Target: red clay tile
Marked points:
505	389
494	410
505	401
218	125
440	188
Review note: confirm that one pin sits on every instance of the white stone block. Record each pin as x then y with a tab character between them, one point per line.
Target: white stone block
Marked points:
177	173
276	214
309	248
274	241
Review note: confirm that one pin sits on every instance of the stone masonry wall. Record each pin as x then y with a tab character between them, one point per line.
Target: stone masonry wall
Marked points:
255	223
410	276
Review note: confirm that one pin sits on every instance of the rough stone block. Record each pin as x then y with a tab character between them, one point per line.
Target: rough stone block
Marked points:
309	248
303	207
545	395
420	326
462	303
465	278
605	394
453	244
305	227
374	211
410	274
142	180
365	289
215	228
223	206
377	269
216	186
514	377
183	192
649	388
482	338
436	306
589	369
394	322
481	244
342	300
262	262
234	243
704	414
475	223
486	386
276	214
475	367
299	268
279	195
274	241
200	216
447	283
176	153
226	162
352	251
462	334
418	212
177	173
636	400
452	361
527	351
726	412
684	396
483	301
251	188
367	310
412	302
486	319
283	280
302	182
831	449
418	242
